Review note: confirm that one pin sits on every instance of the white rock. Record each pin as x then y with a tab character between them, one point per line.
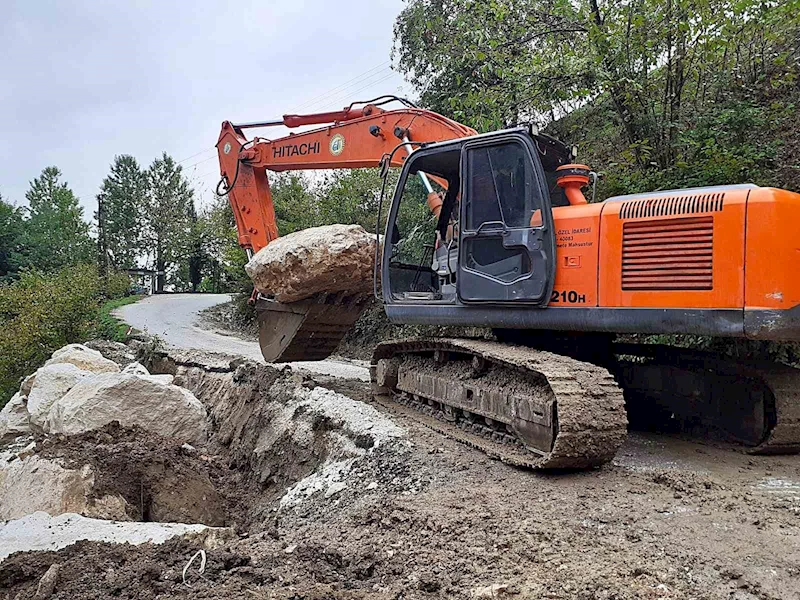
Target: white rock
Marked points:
83	358
27	384
14	418
37	484
333	258
136	368
164	379
139	369
50	384
40	531
167	410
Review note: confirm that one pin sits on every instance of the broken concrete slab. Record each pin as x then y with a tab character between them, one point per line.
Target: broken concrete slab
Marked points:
40	531
50	383
84	358
333	258
167	410
14	417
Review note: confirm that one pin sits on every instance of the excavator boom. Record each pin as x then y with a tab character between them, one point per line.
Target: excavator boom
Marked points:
350	139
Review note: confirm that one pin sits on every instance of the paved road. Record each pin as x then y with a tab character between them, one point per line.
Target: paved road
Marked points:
175	318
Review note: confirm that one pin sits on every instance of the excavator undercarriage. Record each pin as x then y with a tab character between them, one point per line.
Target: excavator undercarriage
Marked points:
525	407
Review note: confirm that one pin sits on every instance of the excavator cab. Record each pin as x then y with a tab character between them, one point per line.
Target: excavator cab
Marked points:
491	238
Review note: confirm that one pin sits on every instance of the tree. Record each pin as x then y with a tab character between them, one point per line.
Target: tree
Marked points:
225	260
12	241
296	207
57	235
657	63
119	206
165	218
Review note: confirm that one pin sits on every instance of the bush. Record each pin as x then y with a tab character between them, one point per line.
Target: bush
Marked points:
40	313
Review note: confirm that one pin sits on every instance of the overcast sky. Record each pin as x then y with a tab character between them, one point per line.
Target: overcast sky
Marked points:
83	81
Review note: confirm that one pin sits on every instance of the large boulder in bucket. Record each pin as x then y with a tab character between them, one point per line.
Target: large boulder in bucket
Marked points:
333	258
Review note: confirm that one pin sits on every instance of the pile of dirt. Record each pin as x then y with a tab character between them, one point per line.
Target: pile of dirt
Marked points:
420	516
161	479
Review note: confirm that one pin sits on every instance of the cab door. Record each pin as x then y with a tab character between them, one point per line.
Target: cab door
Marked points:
507	238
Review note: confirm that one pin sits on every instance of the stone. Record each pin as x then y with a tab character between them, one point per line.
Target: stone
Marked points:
51	383
47	584
27	384
333	258
167	410
116	351
38	484
40	531
137	368
83	358
14	417
495	590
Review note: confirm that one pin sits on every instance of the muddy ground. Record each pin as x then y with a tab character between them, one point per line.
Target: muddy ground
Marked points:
422	516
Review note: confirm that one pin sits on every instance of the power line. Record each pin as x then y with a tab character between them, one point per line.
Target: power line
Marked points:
196	154
350	93
366	87
200	162
347	83
327	98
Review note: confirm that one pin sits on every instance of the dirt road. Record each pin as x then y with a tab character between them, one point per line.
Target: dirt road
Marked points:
175	318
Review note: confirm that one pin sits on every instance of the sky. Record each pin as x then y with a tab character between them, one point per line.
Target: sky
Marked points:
83	81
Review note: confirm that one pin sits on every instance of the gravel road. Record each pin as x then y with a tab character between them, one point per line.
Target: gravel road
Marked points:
175	317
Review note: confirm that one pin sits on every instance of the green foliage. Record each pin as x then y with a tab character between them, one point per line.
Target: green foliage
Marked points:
108	326
166	231
654	64
13	251
41	312
225	260
56	234
120	202
337	196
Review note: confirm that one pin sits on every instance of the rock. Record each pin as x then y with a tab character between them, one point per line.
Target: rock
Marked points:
116	351
14	417
47	584
167	410
495	590
136	368
333	258
51	383
40	531
36	484
83	358
27	384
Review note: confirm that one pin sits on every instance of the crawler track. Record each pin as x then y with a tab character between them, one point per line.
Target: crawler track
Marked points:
525	407
754	402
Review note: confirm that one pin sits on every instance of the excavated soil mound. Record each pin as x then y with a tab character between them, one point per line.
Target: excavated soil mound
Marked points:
161	479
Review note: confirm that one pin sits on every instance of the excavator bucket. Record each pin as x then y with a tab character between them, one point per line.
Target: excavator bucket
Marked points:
307	330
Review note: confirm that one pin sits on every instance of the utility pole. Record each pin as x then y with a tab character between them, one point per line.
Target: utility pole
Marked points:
102	244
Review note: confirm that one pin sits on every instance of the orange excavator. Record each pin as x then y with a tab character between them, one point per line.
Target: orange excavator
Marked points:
494	231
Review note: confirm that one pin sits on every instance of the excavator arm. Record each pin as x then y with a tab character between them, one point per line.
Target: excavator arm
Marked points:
354	137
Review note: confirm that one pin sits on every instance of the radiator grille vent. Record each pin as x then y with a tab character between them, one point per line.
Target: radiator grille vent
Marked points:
668	254
673	205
